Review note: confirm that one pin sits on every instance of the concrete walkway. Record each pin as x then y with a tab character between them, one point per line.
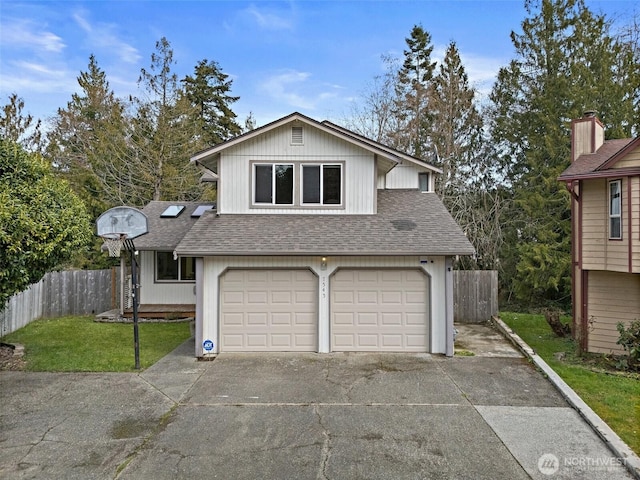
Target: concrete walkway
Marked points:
298	416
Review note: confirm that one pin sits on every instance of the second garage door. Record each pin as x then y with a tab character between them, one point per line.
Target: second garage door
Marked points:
268	310
380	310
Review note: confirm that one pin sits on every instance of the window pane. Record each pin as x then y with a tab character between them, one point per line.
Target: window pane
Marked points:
264	184
614	228
284	184
614	192
423	182
331	185
311	184
187	268
166	266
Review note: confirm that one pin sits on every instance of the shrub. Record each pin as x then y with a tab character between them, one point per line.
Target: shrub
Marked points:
630	341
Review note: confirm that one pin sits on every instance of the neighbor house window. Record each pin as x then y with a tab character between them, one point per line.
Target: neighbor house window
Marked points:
615	209
170	270
423	182
322	184
273	184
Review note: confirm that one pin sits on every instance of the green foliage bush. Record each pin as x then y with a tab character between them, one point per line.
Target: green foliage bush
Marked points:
630	341
42	222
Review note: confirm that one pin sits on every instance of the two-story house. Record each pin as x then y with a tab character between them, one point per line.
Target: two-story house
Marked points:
322	240
604	182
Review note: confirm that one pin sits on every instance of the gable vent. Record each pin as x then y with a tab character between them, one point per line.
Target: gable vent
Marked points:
296	136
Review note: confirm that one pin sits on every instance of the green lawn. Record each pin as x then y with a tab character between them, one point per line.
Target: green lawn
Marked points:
78	344
614	396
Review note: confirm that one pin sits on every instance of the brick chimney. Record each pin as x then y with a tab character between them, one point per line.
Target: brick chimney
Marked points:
587	135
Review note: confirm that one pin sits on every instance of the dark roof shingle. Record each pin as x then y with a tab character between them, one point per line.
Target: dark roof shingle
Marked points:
408	222
166	233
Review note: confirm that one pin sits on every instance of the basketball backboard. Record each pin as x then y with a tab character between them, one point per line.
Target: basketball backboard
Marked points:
122	221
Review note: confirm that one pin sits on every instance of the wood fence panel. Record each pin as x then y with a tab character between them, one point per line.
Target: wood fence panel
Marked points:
475	295
74	292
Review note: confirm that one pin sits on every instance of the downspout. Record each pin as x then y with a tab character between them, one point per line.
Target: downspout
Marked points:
578	303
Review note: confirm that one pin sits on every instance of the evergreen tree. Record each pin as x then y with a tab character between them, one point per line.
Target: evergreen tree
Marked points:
208	91
412	94
567	62
20	128
467	185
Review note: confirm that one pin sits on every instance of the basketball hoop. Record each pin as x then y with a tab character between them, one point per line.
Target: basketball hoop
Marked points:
114	243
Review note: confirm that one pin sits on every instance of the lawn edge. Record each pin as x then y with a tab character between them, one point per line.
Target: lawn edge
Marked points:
604	431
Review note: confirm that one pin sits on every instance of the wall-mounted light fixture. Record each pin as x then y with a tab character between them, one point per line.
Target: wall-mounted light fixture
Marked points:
323	263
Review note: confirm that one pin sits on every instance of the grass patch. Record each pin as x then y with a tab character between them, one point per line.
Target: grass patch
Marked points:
78	344
613	395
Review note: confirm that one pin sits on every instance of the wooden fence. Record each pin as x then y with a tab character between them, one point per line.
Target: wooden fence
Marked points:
74	292
85	292
475	295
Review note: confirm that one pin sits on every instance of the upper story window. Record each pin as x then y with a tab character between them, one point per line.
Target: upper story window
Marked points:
423	181
170	270
322	184
273	184
615	209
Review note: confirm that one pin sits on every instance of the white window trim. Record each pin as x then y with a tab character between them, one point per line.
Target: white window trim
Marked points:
322	204
273	184
615	215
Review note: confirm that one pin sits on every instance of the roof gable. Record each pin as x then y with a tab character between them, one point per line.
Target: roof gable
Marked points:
391	156
602	162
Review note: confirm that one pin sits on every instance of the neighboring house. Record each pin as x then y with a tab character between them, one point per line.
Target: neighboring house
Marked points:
322	241
604	182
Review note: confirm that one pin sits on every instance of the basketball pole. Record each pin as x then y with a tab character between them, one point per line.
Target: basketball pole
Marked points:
135	289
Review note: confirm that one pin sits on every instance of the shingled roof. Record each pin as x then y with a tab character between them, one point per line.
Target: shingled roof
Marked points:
408	222
166	233
591	164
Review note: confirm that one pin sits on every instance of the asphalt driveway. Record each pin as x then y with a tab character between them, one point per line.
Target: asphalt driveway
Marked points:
299	416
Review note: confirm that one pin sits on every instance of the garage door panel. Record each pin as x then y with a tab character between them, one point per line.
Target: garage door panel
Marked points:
268	310
390	318
390	308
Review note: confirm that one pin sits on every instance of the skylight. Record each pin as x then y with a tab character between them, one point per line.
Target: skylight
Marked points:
200	210
172	211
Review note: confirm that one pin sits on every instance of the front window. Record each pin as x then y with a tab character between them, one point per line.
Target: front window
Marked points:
615	209
273	184
322	184
423	182
170	270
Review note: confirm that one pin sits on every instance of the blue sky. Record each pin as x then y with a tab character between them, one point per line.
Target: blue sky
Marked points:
315	57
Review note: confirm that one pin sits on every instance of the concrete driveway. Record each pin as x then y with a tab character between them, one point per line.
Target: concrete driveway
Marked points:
299	416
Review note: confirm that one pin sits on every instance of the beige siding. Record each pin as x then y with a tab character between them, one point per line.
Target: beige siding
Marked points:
613	297
275	146
155	293
635	223
594	223
632	159
598	252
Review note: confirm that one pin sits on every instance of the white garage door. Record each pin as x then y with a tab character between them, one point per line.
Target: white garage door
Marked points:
269	310
380	310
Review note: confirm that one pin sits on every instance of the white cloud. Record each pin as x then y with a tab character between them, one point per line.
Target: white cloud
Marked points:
297	90
26	34
104	36
268	20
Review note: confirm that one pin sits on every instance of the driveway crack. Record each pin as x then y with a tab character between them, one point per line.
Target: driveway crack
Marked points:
326	445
